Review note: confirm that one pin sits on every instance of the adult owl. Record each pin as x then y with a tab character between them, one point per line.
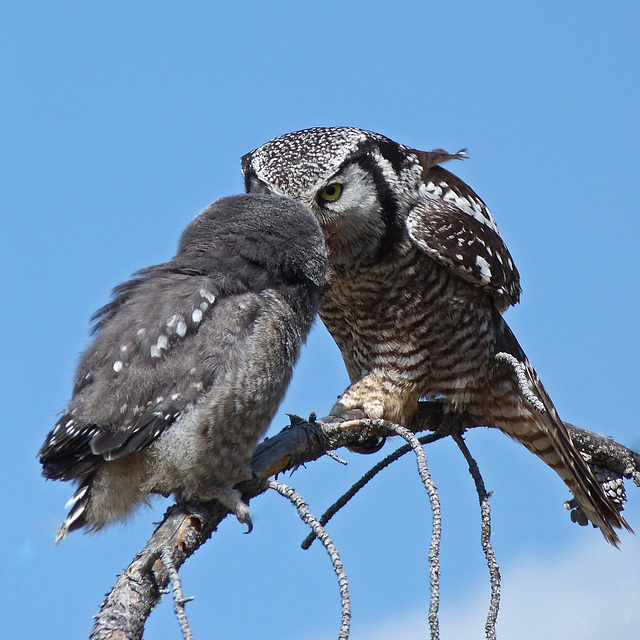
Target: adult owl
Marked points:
419	279
189	364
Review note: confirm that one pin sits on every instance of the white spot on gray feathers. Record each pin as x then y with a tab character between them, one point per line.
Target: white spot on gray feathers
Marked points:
485	269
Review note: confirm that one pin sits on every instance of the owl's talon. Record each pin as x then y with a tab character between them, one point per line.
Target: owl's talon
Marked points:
368	446
248	523
241	510
346	415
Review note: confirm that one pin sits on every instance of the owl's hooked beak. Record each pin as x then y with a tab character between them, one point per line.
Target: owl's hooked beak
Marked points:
327	237
329	232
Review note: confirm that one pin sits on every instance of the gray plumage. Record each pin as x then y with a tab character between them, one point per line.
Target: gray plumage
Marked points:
190	362
419	277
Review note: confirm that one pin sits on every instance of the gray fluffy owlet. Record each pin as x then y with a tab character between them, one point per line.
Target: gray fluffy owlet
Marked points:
419	279
190	362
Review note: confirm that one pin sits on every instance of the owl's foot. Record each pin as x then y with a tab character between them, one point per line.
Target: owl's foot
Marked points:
347	404
232	499
366	447
379	399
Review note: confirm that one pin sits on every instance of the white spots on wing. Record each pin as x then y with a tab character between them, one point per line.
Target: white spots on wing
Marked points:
468	204
197	385
142	331
479	212
159	399
207	300
177	324
70	429
430	190
196	316
193	371
175	396
123	407
485	269
117	366
162	344
207	295
460	257
124	348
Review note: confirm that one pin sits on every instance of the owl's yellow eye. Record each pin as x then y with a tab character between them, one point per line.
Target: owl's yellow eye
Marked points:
331	192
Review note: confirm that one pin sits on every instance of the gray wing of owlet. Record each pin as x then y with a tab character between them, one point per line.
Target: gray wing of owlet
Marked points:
419	279
190	361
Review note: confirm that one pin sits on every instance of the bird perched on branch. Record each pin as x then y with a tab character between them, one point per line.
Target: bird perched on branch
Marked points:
419	279
189	364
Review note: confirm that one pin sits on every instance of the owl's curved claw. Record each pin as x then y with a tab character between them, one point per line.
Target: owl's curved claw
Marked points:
248	523
241	511
368	446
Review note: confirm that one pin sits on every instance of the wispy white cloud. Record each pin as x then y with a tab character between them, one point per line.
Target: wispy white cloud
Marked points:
582	595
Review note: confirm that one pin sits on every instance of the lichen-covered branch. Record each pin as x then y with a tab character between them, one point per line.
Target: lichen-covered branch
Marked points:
434	547
485	538
308	518
611	454
364	480
186	527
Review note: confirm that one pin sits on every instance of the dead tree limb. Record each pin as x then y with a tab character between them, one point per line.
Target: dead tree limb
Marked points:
306	516
186	527
485	537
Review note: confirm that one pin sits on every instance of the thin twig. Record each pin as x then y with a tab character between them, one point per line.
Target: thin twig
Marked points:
178	597
485	537
336	458
523	381
434	548
307	517
364	480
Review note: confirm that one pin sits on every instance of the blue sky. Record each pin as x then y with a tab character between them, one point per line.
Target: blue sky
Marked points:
120	121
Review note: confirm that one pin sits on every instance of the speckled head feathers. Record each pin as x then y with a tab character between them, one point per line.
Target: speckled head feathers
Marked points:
294	162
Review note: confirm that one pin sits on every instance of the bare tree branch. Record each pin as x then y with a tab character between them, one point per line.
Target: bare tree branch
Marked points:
308	518
364	480
607	451
434	547
178	597
485	537
186	527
